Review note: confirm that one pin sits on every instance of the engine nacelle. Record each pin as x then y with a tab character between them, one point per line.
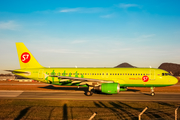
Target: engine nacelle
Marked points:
110	88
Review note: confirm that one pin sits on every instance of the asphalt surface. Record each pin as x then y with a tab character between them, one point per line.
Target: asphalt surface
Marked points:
79	95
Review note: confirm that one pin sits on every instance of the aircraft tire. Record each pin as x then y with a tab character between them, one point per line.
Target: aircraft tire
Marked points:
152	94
89	93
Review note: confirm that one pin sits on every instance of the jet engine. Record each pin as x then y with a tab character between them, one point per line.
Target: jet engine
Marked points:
109	88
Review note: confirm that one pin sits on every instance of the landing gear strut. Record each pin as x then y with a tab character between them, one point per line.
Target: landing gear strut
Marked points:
152	91
89	92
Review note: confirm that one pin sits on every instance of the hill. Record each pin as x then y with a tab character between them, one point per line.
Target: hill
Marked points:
171	68
124	65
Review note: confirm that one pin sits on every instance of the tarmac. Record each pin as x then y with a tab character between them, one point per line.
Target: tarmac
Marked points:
79	95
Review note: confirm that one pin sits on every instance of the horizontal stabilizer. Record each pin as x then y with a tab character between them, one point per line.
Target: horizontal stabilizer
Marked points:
14	71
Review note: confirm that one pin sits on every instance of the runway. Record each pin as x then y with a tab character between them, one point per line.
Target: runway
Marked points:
79	95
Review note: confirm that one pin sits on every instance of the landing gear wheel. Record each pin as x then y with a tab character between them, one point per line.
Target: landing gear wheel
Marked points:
89	93
152	94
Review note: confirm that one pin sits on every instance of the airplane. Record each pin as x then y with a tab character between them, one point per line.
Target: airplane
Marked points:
105	80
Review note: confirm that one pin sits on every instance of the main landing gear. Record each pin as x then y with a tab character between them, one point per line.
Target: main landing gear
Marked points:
152	91
89	92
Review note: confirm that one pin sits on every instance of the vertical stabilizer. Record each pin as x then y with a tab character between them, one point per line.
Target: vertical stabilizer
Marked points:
26	59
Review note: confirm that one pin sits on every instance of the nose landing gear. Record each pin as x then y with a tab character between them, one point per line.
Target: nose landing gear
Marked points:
152	91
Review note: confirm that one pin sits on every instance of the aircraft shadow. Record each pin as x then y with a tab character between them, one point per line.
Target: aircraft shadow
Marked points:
75	88
146	94
51	87
133	90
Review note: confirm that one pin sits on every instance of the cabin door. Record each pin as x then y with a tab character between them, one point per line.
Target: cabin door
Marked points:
40	76
152	74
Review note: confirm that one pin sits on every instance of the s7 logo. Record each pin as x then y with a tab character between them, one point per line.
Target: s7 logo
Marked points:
145	78
25	57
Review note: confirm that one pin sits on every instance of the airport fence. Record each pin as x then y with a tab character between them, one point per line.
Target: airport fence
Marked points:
129	114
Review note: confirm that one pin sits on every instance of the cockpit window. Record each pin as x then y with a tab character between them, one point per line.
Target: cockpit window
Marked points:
165	74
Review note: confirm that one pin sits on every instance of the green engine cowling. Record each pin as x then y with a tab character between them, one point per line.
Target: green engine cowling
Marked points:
110	88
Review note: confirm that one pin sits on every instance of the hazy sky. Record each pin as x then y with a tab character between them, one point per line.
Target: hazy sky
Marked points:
90	33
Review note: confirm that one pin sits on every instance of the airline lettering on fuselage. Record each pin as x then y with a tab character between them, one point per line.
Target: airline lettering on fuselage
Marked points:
25	57
144	78
138	78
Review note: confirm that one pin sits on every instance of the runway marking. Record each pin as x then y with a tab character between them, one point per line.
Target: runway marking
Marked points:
9	93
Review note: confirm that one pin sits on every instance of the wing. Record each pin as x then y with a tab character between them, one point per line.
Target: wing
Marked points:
82	81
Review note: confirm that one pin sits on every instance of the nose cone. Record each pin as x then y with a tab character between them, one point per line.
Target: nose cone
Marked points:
174	80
